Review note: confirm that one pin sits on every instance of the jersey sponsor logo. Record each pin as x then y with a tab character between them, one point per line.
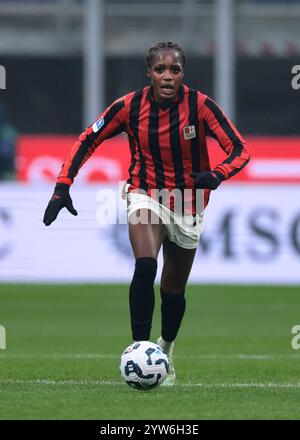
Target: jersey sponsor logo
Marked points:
97	125
189	132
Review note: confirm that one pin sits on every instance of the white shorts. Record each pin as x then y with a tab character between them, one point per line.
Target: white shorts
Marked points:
184	231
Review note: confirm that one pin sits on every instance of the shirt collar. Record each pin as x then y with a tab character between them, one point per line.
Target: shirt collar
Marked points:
180	96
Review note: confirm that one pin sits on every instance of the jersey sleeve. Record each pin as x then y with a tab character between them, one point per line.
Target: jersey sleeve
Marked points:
110	123
218	126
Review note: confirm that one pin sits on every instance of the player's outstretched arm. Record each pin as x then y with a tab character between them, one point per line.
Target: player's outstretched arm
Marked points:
59	200
109	123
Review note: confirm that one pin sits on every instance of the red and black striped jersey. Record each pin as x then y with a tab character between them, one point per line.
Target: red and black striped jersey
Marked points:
167	142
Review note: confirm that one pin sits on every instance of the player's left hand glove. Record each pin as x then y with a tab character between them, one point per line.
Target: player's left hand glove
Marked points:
207	179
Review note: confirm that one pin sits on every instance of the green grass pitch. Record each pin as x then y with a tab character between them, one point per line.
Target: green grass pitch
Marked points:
233	356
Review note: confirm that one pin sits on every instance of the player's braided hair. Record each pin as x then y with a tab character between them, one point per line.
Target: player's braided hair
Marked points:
163	45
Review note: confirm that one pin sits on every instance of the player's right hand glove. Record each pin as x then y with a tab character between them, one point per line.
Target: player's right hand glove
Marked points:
60	199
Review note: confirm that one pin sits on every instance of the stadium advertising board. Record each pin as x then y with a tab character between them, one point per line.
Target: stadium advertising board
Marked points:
39	159
251	235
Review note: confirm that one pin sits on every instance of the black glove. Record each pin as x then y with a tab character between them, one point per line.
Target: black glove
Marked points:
207	179
60	199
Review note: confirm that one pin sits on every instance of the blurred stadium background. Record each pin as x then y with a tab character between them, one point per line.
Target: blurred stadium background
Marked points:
63	62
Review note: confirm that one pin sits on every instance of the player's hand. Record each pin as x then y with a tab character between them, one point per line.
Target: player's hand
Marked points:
207	179
60	199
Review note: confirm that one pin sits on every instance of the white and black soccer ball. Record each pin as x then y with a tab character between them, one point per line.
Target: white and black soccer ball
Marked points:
144	365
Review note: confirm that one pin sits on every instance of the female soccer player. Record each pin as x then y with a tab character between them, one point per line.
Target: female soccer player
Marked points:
167	124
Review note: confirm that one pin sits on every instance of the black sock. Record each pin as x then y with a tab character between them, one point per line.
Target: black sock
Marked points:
172	311
141	298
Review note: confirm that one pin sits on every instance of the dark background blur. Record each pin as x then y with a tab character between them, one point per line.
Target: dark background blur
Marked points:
41	47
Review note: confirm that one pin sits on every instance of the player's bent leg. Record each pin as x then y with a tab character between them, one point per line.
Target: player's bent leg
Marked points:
146	240
176	269
177	266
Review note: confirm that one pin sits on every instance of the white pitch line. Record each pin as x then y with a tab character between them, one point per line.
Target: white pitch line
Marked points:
242	356
242	385
59	355
114	356
50	382
57	382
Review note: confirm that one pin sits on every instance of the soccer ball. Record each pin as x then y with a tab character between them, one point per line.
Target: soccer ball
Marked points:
144	365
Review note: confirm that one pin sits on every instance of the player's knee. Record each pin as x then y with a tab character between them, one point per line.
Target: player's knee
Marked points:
145	269
172	284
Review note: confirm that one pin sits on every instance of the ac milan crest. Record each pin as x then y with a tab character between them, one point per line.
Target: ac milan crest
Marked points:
189	132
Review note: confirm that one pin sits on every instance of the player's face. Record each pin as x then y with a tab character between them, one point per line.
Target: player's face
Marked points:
166	74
